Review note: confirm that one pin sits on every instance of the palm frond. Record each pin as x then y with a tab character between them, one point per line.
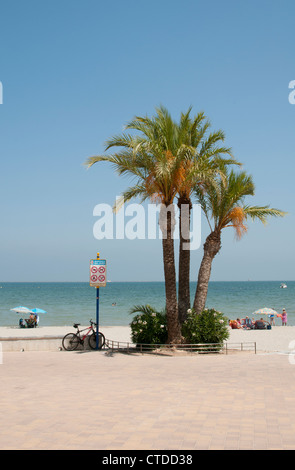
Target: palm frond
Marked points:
121	140
235	218
95	159
262	212
142	309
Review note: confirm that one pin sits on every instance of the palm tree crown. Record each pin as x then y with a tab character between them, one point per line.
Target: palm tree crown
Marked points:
223	203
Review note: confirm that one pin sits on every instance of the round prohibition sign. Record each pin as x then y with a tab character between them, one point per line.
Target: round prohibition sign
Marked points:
94	278
94	269
101	278
102	270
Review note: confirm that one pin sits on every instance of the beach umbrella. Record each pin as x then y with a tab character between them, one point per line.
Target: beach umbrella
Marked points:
21	309
265	311
38	310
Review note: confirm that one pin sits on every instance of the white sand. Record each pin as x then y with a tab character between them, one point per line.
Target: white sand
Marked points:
278	339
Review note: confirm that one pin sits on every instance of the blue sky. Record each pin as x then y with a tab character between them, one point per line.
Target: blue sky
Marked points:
74	72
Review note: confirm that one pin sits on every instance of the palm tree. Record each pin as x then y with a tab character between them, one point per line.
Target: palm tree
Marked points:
223	204
167	160
154	158
202	163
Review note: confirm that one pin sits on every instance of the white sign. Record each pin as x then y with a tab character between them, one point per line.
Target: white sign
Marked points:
98	273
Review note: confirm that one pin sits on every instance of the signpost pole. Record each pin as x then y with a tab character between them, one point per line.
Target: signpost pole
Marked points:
98	278
97	313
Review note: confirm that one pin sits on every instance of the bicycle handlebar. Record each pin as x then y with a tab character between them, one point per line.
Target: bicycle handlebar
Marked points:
76	325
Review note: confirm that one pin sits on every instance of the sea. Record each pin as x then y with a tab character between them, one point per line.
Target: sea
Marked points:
66	303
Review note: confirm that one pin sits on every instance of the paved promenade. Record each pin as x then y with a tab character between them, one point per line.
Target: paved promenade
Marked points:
91	400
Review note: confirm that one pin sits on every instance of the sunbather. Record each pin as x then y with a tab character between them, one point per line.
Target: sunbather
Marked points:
234	324
260	324
32	321
247	324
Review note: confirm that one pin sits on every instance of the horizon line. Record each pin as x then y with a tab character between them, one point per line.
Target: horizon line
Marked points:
113	282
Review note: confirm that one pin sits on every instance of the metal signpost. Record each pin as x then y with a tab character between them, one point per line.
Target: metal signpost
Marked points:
98	278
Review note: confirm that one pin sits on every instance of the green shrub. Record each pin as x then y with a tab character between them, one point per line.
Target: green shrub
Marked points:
208	327
148	326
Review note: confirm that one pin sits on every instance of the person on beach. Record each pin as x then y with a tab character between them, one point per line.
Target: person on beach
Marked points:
284	317
260	324
32	321
247	323
22	323
235	325
272	319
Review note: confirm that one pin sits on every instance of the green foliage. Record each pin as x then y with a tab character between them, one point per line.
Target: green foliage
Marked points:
208	327
148	326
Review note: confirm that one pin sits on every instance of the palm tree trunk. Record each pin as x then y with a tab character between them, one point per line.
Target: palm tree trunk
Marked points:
185	206
167	222
212	246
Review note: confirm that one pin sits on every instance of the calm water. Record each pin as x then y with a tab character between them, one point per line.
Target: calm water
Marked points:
76	302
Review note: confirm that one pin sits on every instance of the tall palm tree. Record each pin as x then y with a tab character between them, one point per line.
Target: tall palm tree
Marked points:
204	160
223	205
154	158
167	160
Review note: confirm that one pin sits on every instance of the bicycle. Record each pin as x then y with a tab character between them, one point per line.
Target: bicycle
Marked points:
72	340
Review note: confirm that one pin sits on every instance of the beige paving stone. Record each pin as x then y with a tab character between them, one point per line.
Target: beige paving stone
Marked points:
59	400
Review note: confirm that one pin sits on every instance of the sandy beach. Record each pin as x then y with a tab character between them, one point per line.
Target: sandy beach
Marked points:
277	339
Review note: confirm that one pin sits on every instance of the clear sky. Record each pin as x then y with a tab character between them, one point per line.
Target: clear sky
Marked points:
74	72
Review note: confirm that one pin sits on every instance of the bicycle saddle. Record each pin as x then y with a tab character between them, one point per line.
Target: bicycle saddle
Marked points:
76	325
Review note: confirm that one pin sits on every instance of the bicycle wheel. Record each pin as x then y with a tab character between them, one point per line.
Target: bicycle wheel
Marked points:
92	341
70	342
